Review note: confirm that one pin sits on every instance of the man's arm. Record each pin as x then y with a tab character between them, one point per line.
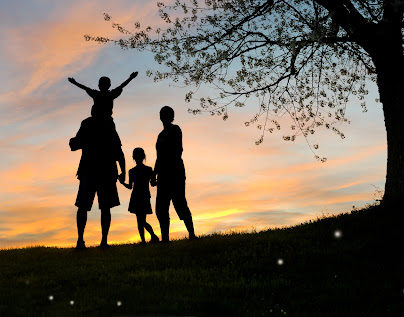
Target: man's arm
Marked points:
122	165
130	184
74	82
76	143
126	82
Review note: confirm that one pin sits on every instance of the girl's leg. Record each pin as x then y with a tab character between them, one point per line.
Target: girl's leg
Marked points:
149	229
141	220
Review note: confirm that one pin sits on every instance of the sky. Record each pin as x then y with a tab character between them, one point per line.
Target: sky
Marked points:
232	184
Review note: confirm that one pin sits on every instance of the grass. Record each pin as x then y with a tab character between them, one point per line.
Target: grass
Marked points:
359	274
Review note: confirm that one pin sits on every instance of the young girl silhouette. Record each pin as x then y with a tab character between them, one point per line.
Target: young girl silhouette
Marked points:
139	178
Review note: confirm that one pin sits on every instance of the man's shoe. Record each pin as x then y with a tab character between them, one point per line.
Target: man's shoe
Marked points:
80	245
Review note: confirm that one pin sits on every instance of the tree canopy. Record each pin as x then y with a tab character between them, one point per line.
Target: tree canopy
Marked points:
298	59
291	56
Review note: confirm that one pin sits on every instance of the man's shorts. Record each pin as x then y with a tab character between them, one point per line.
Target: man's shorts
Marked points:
106	191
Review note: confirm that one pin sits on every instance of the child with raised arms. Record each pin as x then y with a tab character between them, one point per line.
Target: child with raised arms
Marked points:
103	98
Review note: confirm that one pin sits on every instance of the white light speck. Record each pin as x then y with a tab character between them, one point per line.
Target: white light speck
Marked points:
50	297
280	261
337	234
118	303
72	302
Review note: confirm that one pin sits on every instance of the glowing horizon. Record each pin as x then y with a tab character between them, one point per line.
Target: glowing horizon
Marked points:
232	184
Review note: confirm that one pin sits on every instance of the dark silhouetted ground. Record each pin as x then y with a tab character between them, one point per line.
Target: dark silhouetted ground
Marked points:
299	271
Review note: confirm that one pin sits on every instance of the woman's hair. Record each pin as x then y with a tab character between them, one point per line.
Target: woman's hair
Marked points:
167	113
138	154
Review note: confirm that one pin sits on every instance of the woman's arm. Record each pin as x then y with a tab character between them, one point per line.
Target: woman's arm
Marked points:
153	178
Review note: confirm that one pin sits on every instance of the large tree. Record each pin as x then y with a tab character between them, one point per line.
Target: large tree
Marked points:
298	58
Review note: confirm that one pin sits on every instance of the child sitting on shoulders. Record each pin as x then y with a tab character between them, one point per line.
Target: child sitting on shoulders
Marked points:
139	178
101	121
103	98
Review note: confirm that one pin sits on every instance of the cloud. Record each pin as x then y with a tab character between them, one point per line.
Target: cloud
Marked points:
45	52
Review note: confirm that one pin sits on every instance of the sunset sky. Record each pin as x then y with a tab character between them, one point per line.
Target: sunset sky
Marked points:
232	184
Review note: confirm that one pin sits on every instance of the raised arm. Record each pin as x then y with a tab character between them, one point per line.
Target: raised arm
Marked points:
132	76
74	82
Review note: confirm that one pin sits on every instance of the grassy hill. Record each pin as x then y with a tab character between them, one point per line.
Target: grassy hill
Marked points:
298	271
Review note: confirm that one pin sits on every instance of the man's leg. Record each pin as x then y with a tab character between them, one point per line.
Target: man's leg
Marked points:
182	209
81	219
107	198
84	201
105	224
162	208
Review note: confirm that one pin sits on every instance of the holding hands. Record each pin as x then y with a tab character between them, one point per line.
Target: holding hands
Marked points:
153	180
121	178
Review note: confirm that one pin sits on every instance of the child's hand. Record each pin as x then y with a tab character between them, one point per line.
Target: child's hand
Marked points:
72	80
133	75
153	182
121	178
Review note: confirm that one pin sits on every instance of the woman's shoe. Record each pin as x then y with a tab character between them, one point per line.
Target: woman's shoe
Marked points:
80	245
104	245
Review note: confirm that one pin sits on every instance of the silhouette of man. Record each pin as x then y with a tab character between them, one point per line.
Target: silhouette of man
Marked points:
170	172
97	172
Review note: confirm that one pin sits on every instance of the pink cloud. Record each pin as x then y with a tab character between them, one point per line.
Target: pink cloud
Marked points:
49	51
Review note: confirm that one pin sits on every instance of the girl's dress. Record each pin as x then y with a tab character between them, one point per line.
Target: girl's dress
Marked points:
139	203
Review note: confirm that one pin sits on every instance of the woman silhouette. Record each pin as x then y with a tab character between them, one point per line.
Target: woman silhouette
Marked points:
170	172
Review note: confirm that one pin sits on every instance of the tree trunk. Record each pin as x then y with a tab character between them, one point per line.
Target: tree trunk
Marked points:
390	80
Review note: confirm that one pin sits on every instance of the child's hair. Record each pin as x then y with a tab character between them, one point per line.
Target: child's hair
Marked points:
104	83
138	154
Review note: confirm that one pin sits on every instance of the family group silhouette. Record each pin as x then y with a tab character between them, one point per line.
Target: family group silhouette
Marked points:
98	174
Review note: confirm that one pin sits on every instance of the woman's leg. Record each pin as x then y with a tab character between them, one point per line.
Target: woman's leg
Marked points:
162	207
181	207
141	220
